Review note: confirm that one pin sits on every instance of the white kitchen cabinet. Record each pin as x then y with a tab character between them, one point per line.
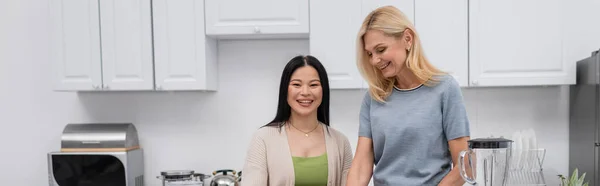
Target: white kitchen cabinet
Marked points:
443	29
257	18
516	43
333	40
510	43
333	36
405	6
126	32
102	45
75	45
184	58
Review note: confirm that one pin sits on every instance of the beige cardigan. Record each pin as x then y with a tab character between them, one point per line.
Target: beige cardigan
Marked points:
269	161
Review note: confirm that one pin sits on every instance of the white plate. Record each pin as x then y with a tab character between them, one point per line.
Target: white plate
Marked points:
516	146
532	139
525	149
534	152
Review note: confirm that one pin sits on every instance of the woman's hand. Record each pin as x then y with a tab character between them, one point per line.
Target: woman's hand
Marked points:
453	178
362	165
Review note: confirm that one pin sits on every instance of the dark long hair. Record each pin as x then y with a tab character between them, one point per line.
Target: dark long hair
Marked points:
283	108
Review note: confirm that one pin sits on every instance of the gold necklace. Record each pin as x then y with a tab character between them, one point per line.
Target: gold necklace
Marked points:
305	133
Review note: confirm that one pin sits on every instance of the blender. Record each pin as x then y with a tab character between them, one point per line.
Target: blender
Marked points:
487	161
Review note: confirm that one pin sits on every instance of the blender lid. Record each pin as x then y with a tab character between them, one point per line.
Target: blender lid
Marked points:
489	143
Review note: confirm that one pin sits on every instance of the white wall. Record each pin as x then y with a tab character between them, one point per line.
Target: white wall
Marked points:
31	115
205	131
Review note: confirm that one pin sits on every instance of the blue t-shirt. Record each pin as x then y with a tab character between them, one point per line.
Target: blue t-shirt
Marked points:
410	132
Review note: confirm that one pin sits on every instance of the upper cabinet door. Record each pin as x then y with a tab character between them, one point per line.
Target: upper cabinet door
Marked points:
443	30
333	40
516	42
336	49
126	44
184	58
405	6
257	18
75	45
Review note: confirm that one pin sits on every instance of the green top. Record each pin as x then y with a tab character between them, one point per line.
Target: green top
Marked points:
310	171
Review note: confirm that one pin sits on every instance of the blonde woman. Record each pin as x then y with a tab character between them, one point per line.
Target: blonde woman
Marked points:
413	122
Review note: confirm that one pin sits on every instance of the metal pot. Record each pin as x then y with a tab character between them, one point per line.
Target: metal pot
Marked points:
182	177
225	179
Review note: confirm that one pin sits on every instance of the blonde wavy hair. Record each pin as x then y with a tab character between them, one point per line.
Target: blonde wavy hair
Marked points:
392	22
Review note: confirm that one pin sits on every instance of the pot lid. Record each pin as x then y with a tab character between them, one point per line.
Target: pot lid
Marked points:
177	173
489	143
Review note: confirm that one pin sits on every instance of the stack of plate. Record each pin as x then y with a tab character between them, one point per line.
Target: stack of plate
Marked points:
527	159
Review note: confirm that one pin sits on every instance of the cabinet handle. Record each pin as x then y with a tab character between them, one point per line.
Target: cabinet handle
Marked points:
256	30
475	82
158	87
106	87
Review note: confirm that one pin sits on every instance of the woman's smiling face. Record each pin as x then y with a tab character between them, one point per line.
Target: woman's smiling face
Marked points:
304	91
387	53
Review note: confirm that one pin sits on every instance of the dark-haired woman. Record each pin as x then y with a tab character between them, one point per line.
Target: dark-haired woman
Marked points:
299	147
